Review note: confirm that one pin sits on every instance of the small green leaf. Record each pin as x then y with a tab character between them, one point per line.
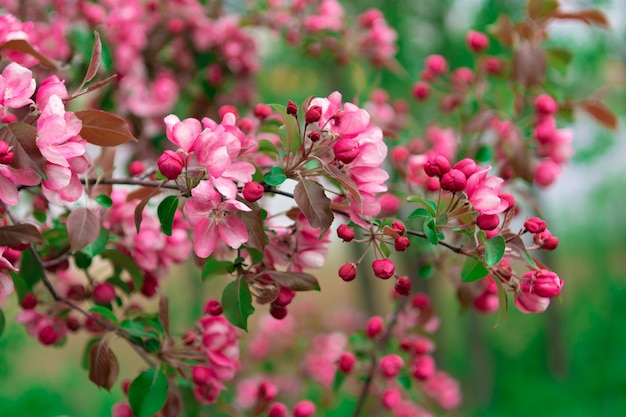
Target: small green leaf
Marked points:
430	229
82	261
429	205
256	255
289	132
419	212
442	219
385	249
104	200
137	329
127	263
166	211
425	271
2	322
30	269
473	270
105	313
405	381
237	303
484	154
275	177
97	246
214	267
267	147
147	393
338	381
494	250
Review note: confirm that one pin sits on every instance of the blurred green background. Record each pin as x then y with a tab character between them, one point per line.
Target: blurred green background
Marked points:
569	361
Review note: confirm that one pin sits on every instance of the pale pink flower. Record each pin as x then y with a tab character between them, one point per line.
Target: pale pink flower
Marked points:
182	133
531	303
320	363
214	220
6	287
10	177
16	86
58	133
50	86
444	389
329	17
483	192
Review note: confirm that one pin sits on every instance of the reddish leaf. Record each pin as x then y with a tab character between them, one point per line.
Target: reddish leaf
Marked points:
103	365
588	16
529	64
164	315
172	406
94	62
297	281
253	220
19	234
91	87
601	113
83	227
22	45
314	203
103	167
142	205
502	30
104	129
22	137
141	193
520	159
344	180
537	9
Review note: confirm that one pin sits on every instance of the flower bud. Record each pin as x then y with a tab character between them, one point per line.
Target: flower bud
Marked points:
347	272
391	365
262	111
544	104
453	181
267	391
488	221
277	410
121	410
213	308
420	90
531	303
314	135
304	409
486	302
389	203
492	65
436	64
546	173
403	286
477	41
535	225
510	198
285	296
401	243
467	166
227	108
253	191
346	150
292	109
390	398
346	362
550	243
103	293
171	164
29	301
278	312
345	233
436	166
383	268
47	335
374	326
398	227
543	283
200	375
136	168
462	77
420	301
423	367
313	114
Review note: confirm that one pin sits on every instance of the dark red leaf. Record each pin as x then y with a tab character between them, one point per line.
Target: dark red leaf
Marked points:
94	62
19	234
537	9
253	220
601	113
529	64
83	227
502	30
103	365
588	16
104	129
297	281
22	137
314	203
22	45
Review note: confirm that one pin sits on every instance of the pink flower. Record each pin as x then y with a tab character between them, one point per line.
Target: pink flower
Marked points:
546	173
16	86
214	220
391	365
320	363
47	88
58	133
443	389
483	193
531	303
543	283
6	287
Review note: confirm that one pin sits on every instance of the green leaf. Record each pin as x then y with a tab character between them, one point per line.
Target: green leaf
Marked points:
137	329
82	261
214	267
97	246
405	381
419	212
385	249
494	250
559	59
275	177
166	211
127	263
289	132
256	255
430	229
237	303
105	313
442	219
473	270
30	269
268	148
338	381
484	154
104	200
426	271
147	393
2	322
429	205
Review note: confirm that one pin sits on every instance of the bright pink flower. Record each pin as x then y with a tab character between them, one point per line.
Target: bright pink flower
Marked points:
531	303
182	133
476	41
543	283
304	409
391	398
320	362
423	367
50	86
483	193
329	17
444	389
16	86
214	220
58	133
374	326
546	172
391	365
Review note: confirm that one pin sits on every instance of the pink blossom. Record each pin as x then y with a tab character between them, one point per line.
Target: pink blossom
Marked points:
444	389
214	220
16	86
320	362
329	17
10	177
391	365
546	172
6	287
57	132
531	303
50	86
483	193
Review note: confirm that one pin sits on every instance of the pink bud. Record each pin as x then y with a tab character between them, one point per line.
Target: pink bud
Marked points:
383	268
171	164
545	130
401	243
389	203
285	296
314	135
453	181
477	41
345	233
346	150
543	283
304	409
200	375
531	303
125	385
391	365
535	225
546	173
420	90
267	391
277	410
545	104
374	326
346	362
450	102
292	108
369	17
399	154
245	124
29	301
488	221
213	308
227	108
347	272
390	398
262	111
467	166
398	227
423	367
403	286
493	65
253	191
510	198
136	168
47	335
486	302
436	166
103	293
278	312
462	77
420	301
121	410
313	114
436	64
550	243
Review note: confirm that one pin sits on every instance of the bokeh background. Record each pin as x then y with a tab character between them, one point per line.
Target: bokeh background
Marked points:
570	361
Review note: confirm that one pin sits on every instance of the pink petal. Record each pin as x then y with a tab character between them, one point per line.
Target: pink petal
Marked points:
233	231
205	237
